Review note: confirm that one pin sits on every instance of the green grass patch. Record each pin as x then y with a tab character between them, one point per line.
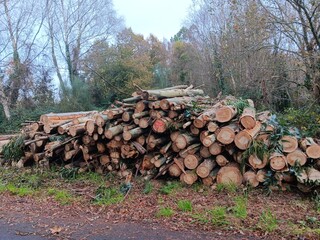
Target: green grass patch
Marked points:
268	221
229	187
185	205
148	187
200	217
107	196
240	208
169	187
165	212
61	196
218	216
20	191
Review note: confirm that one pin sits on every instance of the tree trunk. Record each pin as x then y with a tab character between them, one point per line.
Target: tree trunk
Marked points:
245	137
297	157
204	169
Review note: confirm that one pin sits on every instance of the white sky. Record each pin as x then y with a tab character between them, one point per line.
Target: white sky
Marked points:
163	18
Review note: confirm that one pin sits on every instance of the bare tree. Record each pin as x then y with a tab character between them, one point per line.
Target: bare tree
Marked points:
73	26
21	23
299	23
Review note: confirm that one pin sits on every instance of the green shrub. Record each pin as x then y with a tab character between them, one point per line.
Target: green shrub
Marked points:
307	120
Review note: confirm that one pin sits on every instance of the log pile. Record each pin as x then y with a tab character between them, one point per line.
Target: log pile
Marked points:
176	132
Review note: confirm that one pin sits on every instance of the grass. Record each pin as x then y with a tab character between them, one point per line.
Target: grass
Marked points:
20	191
229	187
240	207
165	212
218	216
169	187
107	196
148	187
268	221
61	196
200	217
185	205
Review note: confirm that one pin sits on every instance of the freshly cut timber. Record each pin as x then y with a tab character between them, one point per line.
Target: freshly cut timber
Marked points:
248	118
289	143
184	140
215	148
245	137
227	134
250	178
161	125
191	161
221	160
209	140
50	118
258	163
311	147
297	157
204	169
175	132
278	162
190	177
230	174
225	114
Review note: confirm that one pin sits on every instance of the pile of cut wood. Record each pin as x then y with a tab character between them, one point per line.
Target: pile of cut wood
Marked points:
177	132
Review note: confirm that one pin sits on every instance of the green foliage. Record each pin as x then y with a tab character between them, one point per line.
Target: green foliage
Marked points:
199	217
148	187
165	212
185	205
240	208
107	195
307	120
169	187
239	104
218	216
13	150
268	221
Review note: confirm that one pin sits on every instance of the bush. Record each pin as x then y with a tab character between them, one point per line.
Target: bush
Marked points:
307	120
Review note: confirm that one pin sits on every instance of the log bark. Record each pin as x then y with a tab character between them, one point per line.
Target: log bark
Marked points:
133	133
76	130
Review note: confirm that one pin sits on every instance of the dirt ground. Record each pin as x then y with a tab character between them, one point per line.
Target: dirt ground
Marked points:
40	215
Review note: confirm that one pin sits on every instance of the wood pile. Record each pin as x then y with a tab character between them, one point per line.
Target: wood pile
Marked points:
176	132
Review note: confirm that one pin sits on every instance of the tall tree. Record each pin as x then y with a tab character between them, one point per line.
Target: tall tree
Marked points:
298	23
73	25
21	23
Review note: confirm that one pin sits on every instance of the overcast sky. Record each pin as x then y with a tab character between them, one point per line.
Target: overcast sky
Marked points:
163	18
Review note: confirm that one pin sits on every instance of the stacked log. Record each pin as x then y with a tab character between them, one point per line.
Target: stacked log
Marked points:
176	132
